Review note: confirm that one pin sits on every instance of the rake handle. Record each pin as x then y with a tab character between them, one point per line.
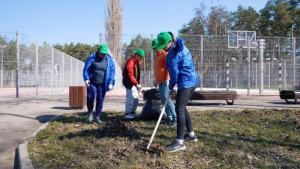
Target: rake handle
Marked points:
158	121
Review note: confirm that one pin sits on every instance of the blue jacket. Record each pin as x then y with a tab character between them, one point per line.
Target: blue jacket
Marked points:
181	67
109	74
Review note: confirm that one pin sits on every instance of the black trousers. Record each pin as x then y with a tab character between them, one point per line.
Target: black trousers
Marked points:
183	117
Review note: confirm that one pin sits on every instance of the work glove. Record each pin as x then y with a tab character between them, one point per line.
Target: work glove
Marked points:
138	87
87	83
110	87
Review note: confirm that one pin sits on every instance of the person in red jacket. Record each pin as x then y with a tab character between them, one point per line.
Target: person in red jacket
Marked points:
131	81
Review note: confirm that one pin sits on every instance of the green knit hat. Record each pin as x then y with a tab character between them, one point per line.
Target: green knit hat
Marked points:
140	52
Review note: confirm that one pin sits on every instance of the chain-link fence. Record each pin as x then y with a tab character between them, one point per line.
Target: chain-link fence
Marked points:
43	69
279	66
29	68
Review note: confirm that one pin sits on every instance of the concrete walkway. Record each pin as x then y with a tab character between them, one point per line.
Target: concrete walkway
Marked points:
19	118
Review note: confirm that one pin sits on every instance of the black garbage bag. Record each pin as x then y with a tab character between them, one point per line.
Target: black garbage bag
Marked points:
151	94
151	110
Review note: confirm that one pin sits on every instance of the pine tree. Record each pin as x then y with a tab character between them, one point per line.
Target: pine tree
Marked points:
245	19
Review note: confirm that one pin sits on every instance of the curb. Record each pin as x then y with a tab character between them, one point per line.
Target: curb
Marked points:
22	155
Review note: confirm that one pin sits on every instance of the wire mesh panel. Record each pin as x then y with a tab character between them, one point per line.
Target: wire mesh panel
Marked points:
42	69
8	61
216	54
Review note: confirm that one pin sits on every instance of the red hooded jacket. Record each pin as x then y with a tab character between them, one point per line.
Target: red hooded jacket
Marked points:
131	73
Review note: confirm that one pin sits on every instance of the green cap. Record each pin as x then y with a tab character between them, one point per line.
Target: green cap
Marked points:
163	39
140	52
154	43
103	48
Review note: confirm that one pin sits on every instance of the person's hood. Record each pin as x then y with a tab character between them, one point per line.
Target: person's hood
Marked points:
180	43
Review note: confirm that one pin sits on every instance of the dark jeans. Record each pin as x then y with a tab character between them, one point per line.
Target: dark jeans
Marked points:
183	116
94	91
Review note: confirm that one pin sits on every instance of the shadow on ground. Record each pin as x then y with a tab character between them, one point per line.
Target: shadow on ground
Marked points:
41	119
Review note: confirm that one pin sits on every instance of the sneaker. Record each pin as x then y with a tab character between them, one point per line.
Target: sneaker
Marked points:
189	138
165	122
173	123
90	118
98	120
175	147
130	116
134	114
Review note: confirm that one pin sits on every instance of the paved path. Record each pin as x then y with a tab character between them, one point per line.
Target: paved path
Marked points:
19	118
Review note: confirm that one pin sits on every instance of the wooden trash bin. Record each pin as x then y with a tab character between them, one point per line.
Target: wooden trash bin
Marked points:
77	97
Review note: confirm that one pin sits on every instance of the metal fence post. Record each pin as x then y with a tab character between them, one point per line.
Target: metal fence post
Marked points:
294	58
37	69
152	81
249	69
17	64
52	64
279	77
12	78
71	73
269	65
201	62
76	74
63	70
100	37
27	77
2	60
256	75
285	76
227	76
261	46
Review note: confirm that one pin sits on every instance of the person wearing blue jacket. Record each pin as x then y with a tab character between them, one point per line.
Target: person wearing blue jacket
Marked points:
99	77
180	65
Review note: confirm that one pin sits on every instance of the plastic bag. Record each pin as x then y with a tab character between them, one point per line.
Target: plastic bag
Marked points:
135	92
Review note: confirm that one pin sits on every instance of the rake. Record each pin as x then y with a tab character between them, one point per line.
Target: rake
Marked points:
156	126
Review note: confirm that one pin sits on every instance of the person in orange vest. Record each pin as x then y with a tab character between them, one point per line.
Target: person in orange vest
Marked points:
131	80
162	77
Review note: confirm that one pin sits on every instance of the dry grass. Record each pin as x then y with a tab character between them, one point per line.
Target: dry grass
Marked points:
227	139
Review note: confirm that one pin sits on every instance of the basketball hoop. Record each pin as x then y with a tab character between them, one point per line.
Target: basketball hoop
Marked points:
238	39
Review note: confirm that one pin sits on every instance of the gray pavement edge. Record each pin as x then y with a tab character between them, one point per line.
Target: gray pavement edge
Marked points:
22	155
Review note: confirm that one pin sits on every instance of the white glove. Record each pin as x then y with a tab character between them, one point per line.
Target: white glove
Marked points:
110	87
87	83
135	92
138	87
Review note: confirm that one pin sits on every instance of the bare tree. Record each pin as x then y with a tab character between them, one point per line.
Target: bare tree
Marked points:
113	26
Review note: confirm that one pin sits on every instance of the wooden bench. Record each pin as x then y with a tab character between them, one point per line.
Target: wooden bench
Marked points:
229	96
290	94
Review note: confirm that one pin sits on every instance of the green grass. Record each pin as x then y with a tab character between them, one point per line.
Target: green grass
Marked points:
227	139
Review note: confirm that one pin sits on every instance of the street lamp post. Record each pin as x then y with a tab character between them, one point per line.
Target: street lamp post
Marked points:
2	47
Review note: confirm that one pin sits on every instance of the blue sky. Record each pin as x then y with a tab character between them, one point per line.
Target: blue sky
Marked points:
65	21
